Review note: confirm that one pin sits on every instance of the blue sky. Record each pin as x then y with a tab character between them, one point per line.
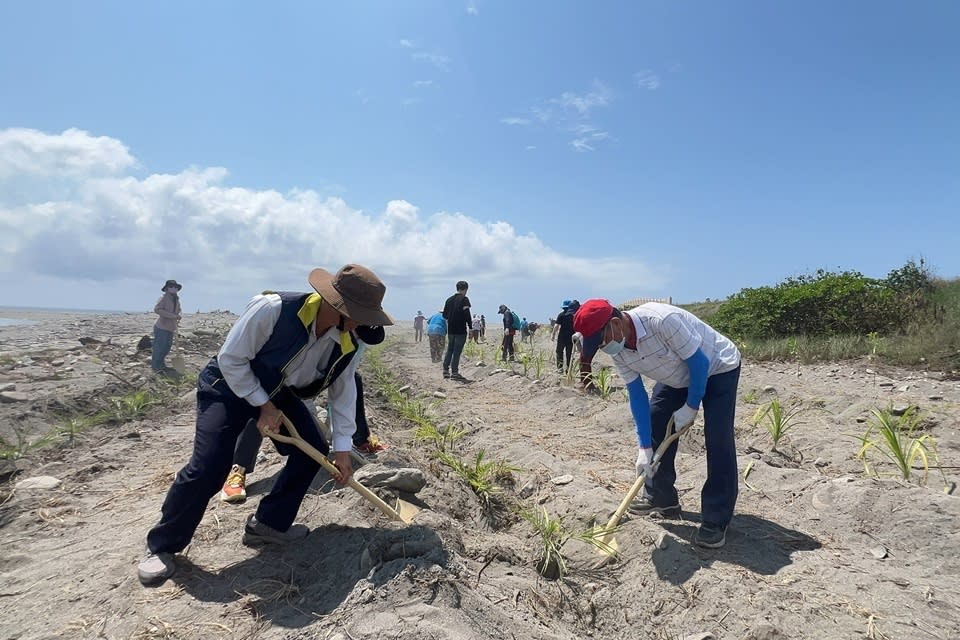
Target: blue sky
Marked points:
540	150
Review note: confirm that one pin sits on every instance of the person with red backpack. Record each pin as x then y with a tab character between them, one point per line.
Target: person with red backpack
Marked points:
511	323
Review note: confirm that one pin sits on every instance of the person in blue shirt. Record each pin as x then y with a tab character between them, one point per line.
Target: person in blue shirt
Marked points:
437	335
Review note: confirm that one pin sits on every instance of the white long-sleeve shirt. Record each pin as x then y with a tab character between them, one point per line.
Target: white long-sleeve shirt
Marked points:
248	335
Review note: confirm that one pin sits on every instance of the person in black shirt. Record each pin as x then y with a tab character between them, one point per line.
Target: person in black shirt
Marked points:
456	311
564	326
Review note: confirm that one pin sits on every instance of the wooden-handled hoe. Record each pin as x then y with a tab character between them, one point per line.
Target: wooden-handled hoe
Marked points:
404	512
609	544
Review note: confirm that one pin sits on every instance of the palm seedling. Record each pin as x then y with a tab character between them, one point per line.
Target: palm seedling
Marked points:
893	437
554	534
777	418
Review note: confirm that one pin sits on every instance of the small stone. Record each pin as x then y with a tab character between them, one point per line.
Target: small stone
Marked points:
904	388
662	541
861	419
439	394
8	386
564	479
407	479
820	462
404	389
879	552
38	482
871	372
934	397
769	389
899	409
526	490
9	397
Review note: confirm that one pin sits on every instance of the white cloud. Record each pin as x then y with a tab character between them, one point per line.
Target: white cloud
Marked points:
419	54
472	8
531	147
422	83
599	96
571	112
581	145
71	153
647	79
101	229
438	60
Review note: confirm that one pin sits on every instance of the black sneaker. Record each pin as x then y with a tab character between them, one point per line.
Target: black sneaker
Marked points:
711	536
446	374
642	506
458	377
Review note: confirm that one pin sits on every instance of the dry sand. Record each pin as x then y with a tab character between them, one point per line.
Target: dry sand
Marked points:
816	550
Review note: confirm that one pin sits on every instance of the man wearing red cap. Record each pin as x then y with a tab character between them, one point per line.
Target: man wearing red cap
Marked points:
691	363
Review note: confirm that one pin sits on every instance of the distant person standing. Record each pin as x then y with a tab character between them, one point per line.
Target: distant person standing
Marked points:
437	335
510	325
475	329
456	311
483	327
168	308
564	332
418	323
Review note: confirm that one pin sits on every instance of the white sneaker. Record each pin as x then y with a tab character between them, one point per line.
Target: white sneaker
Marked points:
155	568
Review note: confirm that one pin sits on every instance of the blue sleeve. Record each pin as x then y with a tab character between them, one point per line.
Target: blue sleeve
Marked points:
640	408
698	365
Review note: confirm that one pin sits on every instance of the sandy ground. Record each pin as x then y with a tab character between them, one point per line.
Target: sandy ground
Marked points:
816	550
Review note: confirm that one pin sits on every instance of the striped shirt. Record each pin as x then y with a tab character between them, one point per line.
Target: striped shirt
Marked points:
666	337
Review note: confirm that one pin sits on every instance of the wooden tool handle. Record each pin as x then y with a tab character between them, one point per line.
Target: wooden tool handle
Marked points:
625	504
295	439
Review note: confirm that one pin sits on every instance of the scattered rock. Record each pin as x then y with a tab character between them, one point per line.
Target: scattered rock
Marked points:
9	386
526	490
901	408
407	479
404	389
9	397
703	635
764	631
88	341
770	389
439	394
662	542
564	479
879	552
904	388
935	396
38	482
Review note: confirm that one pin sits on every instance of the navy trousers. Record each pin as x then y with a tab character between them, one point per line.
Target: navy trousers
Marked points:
719	494
221	416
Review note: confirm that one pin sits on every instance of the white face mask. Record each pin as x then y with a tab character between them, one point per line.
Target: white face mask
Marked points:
613	347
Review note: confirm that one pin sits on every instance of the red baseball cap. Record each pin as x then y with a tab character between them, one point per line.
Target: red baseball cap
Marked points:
589	321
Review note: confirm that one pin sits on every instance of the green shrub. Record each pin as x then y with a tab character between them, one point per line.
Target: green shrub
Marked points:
823	304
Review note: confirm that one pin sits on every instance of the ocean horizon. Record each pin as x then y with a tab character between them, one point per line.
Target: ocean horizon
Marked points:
7	307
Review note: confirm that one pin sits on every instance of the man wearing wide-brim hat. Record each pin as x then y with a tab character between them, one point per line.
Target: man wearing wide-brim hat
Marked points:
285	346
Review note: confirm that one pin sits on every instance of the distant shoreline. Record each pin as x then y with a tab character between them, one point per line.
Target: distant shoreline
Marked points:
5	309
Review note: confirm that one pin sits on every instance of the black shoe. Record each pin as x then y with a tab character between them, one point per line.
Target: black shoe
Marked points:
446	374
458	377
711	536
642	506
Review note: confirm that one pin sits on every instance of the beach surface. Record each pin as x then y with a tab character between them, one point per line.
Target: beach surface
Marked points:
817	548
